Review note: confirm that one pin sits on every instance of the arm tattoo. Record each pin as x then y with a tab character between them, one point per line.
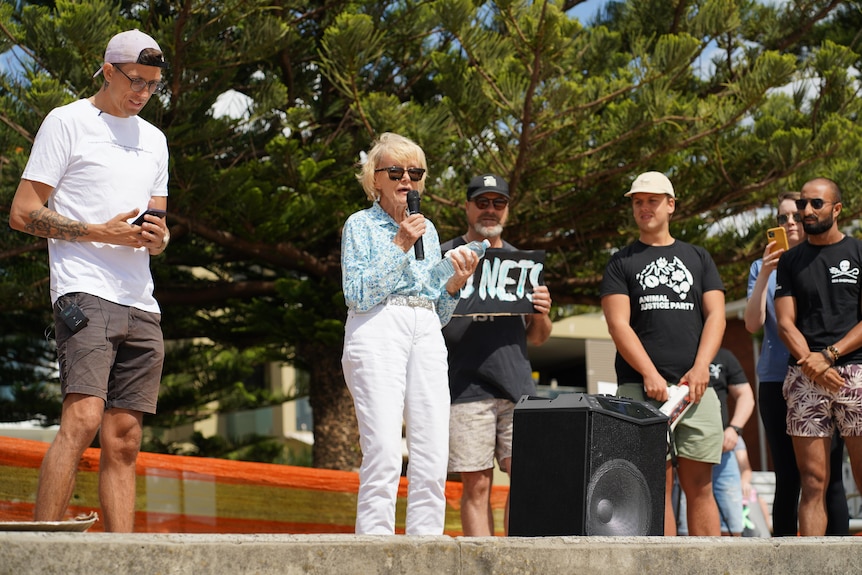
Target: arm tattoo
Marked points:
49	224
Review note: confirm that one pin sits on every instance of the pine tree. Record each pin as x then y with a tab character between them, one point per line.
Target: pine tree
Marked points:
735	100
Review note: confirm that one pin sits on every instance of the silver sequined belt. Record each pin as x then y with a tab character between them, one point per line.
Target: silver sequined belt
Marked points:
410	301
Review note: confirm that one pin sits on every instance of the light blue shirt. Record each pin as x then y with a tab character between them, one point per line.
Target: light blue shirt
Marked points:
772	365
373	267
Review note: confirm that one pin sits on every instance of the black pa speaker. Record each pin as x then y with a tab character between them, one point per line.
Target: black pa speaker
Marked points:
587	465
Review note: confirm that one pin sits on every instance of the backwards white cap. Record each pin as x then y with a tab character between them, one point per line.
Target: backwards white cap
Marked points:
126	48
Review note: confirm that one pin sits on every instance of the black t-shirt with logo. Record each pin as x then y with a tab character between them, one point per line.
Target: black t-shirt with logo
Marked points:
665	287
825	282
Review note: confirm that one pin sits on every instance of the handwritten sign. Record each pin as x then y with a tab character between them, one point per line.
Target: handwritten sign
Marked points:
503	283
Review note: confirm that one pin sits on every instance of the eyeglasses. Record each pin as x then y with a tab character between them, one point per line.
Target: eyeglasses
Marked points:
396	173
816	203
138	84
483	203
797	217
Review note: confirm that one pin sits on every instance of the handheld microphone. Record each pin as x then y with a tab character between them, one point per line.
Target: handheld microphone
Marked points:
413	208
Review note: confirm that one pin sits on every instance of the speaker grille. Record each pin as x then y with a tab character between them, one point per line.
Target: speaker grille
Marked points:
618	500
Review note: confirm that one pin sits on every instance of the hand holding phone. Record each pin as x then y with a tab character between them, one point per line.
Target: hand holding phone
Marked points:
151	211
779	236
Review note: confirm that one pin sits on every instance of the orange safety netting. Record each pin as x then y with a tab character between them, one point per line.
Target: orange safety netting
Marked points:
201	495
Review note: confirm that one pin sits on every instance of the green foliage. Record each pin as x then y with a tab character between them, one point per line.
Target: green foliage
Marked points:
735	100
30	388
250	448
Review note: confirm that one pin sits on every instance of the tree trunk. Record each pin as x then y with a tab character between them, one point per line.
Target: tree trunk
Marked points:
336	433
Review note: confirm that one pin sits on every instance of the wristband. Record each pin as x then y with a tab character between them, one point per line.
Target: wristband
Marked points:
737	429
834	352
166	239
829	357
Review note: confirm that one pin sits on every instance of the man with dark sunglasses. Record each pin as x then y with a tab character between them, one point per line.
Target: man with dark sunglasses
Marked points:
817	302
771	371
488	367
95	165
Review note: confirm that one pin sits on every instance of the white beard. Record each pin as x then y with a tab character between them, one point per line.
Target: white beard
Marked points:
488	232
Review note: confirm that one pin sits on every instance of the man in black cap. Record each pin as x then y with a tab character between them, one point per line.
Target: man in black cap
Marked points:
488	367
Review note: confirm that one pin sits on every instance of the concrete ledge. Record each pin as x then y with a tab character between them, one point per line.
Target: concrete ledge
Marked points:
23	553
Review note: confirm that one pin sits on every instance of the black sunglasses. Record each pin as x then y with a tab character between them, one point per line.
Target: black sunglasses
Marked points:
138	84
797	217
483	203
396	173
816	203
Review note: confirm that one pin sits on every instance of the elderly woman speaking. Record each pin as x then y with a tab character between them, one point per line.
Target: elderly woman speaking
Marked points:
394	356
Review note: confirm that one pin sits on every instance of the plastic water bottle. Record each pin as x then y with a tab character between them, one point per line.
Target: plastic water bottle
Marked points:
444	270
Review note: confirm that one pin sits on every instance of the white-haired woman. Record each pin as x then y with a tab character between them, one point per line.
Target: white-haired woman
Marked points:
394	358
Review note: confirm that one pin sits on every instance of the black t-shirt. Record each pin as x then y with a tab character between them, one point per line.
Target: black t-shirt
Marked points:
665	287
826	284
725	371
487	354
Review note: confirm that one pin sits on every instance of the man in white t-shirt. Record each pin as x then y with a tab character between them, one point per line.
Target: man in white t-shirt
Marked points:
94	167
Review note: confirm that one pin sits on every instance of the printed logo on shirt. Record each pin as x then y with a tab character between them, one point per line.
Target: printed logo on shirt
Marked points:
714	370
843	274
663	275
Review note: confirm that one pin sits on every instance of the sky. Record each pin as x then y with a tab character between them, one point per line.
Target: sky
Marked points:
586	10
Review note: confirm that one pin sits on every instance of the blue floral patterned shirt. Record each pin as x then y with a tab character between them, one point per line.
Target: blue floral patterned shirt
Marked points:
373	267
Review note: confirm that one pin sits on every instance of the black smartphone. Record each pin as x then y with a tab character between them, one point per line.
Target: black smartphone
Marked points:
153	212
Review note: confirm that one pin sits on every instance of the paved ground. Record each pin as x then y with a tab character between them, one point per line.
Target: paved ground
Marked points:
263	554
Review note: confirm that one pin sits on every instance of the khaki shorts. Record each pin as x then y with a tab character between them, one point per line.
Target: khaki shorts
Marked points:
698	435
117	357
479	431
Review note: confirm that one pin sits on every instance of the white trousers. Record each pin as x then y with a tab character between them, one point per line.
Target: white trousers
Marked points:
395	365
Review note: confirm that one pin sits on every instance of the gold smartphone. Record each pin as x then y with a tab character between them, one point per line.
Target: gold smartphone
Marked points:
779	236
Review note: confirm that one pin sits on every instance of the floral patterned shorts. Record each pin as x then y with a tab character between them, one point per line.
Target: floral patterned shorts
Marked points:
813	411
